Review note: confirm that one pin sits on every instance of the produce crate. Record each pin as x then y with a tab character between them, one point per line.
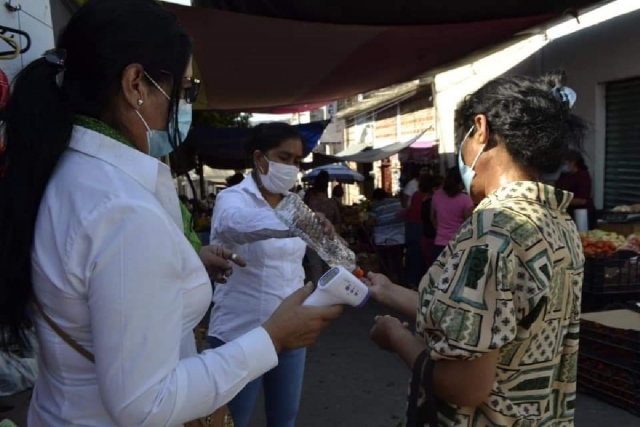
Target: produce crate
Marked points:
611	275
609	362
620	344
610	280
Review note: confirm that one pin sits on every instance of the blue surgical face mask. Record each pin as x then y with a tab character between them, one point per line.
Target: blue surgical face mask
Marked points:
467	172
565	168
158	140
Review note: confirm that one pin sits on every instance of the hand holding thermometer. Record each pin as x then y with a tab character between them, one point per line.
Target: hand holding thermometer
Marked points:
339	287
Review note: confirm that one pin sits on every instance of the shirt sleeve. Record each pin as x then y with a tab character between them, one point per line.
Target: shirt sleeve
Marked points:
133	258
484	296
410	188
234	222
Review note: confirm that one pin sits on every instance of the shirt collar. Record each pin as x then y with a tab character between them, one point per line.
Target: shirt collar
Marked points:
553	198
137	165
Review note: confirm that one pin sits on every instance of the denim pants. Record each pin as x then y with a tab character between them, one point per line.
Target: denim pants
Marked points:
282	389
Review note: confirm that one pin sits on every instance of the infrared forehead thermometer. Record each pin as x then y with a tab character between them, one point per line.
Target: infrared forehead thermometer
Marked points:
339	287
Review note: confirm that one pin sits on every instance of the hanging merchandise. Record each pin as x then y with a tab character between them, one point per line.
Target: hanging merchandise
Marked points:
13	38
4	99
4	90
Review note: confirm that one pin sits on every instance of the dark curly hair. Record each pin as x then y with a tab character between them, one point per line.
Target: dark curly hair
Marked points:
535	125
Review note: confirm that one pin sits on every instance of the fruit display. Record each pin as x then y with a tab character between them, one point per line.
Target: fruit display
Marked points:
627	208
601	243
632	244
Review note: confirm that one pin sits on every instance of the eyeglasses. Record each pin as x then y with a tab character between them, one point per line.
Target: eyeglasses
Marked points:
191	90
189	93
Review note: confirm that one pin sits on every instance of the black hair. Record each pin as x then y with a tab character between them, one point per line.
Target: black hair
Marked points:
427	183
184	199
100	41
453	182
379	194
576	157
338	191
321	183
267	136
235	179
528	116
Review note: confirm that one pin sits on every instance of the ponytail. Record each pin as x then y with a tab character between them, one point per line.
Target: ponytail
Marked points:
38	126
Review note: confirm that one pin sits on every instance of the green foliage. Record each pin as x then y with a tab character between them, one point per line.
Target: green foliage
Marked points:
215	119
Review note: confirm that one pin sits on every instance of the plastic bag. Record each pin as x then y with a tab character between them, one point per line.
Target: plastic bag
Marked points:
19	369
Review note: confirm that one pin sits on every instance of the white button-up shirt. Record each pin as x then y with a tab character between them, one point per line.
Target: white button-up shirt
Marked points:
244	222
112	268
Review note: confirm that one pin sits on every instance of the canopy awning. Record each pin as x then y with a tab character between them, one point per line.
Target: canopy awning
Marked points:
277	56
224	148
363	154
337	172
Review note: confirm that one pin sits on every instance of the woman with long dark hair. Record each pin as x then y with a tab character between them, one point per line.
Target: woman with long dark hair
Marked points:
450	208
498	314
93	241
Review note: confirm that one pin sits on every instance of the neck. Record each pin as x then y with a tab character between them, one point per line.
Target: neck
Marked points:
503	172
114	122
505	177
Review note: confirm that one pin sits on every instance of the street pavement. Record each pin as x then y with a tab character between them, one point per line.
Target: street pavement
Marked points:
350	383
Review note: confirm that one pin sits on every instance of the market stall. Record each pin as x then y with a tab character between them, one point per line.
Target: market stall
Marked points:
609	359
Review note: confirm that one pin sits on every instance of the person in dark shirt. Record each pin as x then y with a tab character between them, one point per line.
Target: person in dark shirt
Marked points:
428	185
575	178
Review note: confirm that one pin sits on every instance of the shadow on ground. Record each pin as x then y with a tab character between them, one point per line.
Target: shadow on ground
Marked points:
350	383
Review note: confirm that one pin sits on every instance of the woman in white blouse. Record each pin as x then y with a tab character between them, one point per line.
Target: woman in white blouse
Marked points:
245	222
91	229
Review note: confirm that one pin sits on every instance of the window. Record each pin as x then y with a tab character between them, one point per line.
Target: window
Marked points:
622	155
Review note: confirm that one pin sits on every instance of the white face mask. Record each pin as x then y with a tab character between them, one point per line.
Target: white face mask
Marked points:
280	179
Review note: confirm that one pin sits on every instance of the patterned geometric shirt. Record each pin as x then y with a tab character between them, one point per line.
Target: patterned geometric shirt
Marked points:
511	280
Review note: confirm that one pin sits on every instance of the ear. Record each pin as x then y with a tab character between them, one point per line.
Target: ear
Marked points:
134	90
260	164
481	135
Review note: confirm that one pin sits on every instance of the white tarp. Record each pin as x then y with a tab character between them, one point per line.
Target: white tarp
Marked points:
363	153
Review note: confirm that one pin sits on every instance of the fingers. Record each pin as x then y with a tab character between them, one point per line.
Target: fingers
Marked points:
231	256
301	294
332	312
237	260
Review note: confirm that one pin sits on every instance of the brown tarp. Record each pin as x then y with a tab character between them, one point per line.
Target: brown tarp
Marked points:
257	63
395	12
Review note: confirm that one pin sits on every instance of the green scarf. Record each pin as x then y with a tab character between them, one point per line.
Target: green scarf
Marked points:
106	130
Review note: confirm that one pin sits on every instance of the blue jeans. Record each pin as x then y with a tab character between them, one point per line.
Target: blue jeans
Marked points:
282	390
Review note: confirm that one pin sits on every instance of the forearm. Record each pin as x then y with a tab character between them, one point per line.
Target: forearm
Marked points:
408	347
402	300
578	202
451	377
244	226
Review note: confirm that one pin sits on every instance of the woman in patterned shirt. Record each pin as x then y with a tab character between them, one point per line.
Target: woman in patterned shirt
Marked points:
497	315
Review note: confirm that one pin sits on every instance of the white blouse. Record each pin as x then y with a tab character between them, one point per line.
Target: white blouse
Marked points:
244	222
112	268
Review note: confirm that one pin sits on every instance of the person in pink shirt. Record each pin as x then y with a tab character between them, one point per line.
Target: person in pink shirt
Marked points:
450	208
